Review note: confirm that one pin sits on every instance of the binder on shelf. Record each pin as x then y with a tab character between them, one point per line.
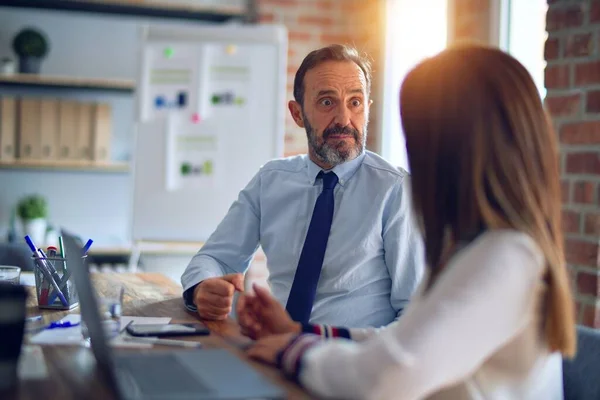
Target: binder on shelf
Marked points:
8	128
101	132
84	131
29	132
68	130
49	129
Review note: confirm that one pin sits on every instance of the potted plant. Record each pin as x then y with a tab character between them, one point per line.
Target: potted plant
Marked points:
31	46
33	212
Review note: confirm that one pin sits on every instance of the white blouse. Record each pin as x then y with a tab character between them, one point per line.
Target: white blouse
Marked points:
477	334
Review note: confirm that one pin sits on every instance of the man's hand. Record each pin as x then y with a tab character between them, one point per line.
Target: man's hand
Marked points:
214	296
261	315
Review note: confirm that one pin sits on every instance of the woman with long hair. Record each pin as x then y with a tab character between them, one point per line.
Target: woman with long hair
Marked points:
495	313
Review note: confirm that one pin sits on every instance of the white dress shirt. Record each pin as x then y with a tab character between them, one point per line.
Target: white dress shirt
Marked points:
374	259
476	334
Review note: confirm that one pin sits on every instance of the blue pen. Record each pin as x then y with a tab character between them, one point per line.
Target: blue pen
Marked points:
42	265
87	246
62	324
50	267
67	274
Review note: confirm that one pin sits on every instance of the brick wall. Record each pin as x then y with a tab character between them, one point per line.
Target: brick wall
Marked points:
572	78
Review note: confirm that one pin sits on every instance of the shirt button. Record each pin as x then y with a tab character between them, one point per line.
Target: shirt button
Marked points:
342	181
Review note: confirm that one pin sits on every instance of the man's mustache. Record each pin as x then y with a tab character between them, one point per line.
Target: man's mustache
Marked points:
340	130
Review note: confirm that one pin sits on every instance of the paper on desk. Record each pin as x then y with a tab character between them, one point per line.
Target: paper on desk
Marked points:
62	335
32	364
70	336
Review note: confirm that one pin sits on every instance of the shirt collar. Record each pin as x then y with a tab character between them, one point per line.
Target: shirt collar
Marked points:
344	171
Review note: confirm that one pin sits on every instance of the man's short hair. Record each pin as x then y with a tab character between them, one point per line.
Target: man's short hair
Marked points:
334	52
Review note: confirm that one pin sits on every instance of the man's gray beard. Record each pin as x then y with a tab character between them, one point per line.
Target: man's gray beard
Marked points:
334	155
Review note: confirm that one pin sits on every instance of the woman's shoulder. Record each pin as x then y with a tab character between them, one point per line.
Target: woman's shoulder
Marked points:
502	248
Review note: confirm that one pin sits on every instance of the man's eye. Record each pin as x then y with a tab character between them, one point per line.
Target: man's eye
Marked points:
326	102
356	102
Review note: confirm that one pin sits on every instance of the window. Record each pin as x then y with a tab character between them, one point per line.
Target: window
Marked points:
415	30
522	33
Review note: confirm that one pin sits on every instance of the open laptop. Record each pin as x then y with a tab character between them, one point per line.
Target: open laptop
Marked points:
178	374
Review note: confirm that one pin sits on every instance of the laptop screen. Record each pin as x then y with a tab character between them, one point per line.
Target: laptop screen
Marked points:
90	314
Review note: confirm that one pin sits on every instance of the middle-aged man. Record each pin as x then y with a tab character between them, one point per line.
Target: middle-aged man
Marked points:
336	224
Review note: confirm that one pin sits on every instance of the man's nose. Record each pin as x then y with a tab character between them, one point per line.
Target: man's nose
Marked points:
342	116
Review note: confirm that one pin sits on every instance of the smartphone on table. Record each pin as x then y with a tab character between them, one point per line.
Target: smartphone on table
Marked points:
158	330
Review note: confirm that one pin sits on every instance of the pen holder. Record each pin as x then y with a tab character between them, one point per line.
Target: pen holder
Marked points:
54	284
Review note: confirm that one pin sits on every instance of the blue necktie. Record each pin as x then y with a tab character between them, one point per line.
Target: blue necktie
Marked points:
302	294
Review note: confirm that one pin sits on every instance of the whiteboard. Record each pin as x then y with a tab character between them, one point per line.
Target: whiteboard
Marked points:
210	112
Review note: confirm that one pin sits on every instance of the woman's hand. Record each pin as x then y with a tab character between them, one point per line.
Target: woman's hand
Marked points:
267	349
261	315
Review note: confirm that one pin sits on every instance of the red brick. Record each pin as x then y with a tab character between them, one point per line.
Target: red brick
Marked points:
560	106
552	49
557	76
595	11
324	5
570	221
578	45
266	18
296	36
583	163
591	316
315	21
340	39
583	192
592	224
587	132
581	253
587	284
564	17
269	4
565	190
292	69
293	153
593	101
587	73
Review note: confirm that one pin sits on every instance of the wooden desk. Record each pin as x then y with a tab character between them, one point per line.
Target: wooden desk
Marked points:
72	372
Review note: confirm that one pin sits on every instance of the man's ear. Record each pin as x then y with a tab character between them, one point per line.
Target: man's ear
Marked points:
296	112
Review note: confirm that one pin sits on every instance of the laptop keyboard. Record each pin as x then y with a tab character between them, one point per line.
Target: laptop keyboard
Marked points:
160	374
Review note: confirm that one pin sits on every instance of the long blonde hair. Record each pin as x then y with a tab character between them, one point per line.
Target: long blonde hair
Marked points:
483	155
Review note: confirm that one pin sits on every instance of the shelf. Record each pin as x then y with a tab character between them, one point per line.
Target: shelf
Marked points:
33	80
120	167
161	9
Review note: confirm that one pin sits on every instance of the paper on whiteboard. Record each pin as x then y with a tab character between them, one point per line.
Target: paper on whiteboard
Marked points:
229	76
192	154
173	80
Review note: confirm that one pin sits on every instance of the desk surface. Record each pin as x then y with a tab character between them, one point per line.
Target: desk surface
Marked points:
72	373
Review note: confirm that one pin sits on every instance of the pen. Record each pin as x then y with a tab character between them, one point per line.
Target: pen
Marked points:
42	266
87	246
61	247
62	324
33	319
162	342
55	278
67	272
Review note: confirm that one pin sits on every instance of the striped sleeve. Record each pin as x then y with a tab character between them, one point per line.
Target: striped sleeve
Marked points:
326	331
289	360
